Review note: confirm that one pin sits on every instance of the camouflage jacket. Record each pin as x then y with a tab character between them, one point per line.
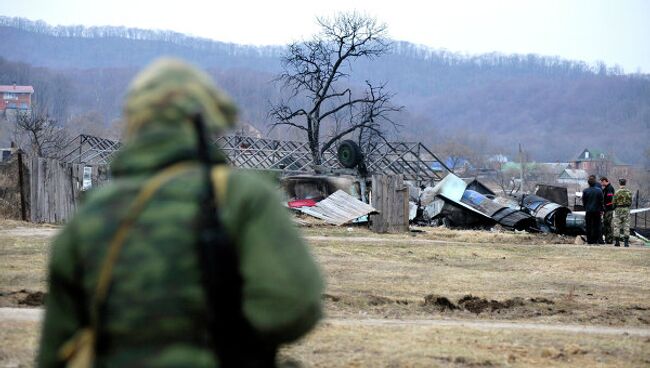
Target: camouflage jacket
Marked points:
622	198
155	313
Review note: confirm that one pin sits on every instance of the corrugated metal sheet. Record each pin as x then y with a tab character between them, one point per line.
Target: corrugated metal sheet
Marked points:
339	208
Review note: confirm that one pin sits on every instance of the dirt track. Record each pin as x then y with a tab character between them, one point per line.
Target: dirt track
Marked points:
21	314
31	231
410	241
36	314
494	325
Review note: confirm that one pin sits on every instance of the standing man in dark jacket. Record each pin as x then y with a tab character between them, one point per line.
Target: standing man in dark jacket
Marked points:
608	216
592	200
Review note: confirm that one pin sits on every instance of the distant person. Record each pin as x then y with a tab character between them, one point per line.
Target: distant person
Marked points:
608	215
179	261
622	202
592	200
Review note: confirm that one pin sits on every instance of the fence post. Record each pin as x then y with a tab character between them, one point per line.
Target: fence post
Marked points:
636	215
21	185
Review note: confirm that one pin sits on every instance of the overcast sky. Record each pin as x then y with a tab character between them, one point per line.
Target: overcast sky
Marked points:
613	31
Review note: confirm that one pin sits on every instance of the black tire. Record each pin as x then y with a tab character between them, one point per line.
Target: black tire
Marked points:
349	154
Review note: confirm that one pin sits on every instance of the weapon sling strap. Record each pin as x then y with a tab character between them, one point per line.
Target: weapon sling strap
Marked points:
235	342
79	351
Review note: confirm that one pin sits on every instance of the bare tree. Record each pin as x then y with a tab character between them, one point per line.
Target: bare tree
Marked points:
316	73
42	134
505	179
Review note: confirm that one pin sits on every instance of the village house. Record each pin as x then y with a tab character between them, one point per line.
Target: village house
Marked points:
574	178
600	163
13	97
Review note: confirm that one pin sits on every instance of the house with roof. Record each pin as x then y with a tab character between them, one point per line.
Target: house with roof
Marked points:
600	163
574	178
14	97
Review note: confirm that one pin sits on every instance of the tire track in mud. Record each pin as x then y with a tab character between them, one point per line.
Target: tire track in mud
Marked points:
36	314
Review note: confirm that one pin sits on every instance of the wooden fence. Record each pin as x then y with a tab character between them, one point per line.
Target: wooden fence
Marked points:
14	188
56	187
390	198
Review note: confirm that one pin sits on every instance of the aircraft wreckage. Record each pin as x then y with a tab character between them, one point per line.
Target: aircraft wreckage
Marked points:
459	204
453	202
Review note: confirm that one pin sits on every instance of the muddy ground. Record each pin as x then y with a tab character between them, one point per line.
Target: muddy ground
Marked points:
22	298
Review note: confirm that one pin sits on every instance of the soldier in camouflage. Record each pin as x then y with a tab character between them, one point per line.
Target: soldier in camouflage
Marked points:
622	202
155	312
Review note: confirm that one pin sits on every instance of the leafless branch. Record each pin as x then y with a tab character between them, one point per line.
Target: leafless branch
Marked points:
316	72
45	137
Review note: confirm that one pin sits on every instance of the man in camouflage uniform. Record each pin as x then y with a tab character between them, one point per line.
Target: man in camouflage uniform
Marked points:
155	312
622	202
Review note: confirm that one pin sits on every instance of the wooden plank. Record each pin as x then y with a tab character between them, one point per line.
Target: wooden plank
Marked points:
390	197
51	198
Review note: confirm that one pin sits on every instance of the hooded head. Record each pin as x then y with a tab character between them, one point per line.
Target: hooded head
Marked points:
171	92
162	103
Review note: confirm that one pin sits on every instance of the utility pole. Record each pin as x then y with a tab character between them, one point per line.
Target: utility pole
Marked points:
521	168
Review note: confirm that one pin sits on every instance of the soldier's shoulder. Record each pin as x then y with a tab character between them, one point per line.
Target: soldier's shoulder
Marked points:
623	192
251	181
104	195
101	204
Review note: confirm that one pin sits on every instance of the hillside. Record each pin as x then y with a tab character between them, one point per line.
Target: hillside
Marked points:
554	107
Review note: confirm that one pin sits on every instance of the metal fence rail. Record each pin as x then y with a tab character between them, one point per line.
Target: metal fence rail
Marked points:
88	149
412	160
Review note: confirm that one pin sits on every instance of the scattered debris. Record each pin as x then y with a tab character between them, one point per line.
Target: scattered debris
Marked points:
433	209
413	211
301	203
318	187
469	208
452	202
427	196
463	203
339	208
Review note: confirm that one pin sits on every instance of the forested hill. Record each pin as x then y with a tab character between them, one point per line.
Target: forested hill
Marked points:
38	43
554	107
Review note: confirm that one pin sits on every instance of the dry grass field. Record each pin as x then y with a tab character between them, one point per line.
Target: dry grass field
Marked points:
437	298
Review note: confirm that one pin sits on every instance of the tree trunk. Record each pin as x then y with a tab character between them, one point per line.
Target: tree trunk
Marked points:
315	152
314	142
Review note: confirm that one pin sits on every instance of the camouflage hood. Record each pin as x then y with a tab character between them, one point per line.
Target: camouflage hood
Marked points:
162	102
